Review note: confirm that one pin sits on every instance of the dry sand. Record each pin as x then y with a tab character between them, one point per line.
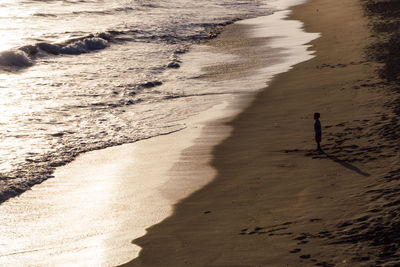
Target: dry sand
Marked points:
275	201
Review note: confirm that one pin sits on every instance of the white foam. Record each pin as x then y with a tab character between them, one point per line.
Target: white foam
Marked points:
14	59
287	35
84	46
285	4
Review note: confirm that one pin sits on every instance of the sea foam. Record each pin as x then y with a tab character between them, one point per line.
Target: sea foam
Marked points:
16	58
84	46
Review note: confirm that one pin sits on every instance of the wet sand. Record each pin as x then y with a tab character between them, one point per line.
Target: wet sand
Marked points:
93	208
277	202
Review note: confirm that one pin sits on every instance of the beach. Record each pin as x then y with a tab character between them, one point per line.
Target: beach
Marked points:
87	212
195	146
275	201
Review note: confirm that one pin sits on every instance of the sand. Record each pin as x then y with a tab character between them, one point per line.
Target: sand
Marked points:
89	213
277	202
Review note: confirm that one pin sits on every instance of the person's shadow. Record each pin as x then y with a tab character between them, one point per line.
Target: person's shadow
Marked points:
345	164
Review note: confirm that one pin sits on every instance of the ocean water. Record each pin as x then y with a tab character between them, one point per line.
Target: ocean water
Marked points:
79	75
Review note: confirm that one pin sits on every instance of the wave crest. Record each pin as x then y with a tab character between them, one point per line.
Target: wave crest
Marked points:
16	58
24	57
77	46
84	46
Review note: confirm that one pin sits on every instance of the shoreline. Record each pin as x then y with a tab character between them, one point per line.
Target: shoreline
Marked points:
97	186
275	201
102	199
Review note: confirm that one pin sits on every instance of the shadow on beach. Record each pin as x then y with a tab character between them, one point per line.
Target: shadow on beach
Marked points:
322	154
344	164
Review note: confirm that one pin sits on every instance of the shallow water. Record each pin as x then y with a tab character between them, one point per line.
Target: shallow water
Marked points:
82	75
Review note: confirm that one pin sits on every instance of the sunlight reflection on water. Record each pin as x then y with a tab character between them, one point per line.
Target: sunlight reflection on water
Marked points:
95	74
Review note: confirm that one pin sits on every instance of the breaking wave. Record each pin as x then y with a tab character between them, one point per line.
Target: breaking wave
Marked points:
24	56
15	59
113	11
77	47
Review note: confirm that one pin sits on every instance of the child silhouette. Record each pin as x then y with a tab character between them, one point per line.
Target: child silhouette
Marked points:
317	129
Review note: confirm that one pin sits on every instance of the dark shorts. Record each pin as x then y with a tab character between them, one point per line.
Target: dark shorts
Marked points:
318	138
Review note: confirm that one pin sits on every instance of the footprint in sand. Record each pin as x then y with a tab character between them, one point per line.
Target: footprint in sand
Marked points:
296	250
305	256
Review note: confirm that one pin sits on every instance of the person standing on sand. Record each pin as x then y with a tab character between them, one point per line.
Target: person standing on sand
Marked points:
317	129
